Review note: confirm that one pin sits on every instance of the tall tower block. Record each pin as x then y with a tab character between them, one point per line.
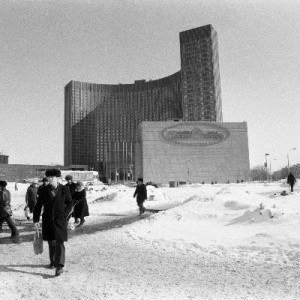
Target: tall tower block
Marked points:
200	75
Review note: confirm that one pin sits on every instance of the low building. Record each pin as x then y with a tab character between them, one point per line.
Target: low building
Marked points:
3	159
192	152
23	173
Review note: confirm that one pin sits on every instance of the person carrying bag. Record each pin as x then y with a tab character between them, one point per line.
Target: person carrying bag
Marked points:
27	212
38	242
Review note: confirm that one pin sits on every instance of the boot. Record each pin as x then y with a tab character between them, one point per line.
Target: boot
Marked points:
15	233
59	270
81	223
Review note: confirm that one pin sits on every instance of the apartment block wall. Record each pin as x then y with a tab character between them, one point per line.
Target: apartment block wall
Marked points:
164	161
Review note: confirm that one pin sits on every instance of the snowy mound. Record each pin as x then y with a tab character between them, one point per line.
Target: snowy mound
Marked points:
235	205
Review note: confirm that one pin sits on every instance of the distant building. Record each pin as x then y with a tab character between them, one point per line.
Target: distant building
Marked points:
3	159
25	172
101	120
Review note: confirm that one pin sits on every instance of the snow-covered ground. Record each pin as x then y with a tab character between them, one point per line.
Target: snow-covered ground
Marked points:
233	241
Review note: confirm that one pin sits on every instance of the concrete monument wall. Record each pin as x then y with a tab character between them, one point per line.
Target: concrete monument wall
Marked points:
192	151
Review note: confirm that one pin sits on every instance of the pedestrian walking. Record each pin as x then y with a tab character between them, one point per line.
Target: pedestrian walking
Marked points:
81	208
141	195
72	187
291	180
45	182
56	200
31	196
5	209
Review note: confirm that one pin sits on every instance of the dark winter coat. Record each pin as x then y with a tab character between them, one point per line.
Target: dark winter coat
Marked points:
81	208
31	196
141	193
72	188
56	211
291	179
39	189
5	208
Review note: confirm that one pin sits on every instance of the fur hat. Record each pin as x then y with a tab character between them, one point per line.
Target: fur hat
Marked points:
3	183
69	177
45	179
53	172
79	184
140	179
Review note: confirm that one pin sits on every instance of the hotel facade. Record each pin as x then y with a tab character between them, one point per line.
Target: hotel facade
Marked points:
101	120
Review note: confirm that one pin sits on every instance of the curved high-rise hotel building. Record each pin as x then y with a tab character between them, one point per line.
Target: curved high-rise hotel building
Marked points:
101	120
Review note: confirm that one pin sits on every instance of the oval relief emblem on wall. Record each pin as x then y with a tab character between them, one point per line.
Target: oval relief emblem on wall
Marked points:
195	134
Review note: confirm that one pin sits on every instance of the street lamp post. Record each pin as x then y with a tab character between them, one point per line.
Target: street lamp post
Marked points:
131	172
266	164
189	171
288	159
271	166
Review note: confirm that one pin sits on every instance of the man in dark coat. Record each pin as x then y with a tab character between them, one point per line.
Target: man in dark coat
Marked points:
141	195
57	202
291	181
72	187
31	196
5	209
45	182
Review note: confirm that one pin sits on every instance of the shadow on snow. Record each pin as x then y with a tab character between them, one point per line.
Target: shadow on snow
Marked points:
27	231
26	269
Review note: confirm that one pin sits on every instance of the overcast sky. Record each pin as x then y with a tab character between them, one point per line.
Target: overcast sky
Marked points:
46	44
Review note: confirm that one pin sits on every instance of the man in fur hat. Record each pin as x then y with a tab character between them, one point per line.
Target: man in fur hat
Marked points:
57	202
5	209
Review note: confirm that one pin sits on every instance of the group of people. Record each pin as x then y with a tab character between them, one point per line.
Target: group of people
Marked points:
78	195
59	203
